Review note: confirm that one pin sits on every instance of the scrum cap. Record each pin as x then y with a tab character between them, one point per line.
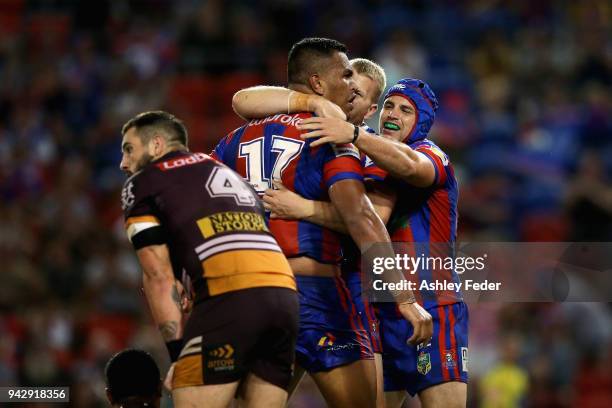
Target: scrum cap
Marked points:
425	101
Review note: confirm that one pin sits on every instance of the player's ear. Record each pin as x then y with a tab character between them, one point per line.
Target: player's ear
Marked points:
158	144
316	84
371	111
109	396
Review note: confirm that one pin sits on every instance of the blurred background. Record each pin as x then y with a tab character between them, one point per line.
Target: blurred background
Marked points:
525	116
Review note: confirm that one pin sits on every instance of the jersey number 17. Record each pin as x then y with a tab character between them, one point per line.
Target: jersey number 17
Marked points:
283	151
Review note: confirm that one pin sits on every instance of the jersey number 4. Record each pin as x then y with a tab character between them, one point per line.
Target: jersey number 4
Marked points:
258	170
223	182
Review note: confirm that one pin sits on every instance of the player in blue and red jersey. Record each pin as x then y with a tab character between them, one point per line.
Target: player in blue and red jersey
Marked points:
370	82
333	345
271	149
421	179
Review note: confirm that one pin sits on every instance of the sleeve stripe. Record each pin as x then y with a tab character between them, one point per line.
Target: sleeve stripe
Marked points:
346	150
343	176
435	166
374	172
142	218
372	176
440	177
137	227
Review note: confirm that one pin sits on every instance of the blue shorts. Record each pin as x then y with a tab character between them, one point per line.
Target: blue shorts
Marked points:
415	368
331	333
365	309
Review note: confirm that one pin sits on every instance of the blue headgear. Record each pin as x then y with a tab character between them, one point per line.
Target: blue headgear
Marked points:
425	101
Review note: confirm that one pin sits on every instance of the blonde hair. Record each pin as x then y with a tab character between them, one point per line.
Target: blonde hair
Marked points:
373	71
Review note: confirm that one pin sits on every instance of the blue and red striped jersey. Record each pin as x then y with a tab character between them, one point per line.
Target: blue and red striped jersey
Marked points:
425	216
271	149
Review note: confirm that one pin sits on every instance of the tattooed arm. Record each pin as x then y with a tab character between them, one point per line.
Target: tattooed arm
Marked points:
170	329
162	294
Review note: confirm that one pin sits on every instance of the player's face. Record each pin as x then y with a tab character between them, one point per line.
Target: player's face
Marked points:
135	155
338	81
397	118
364	105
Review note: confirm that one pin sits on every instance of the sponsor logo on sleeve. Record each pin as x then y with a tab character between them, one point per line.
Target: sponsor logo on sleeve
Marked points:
436	150
344	150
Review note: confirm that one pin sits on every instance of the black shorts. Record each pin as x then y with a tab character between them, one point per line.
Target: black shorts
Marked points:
246	331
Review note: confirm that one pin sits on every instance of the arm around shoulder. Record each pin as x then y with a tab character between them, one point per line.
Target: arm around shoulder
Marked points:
397	159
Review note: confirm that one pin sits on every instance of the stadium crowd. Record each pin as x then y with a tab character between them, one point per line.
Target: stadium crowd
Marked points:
525	115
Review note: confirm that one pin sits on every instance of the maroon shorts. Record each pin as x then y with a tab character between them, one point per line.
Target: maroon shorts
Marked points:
236	333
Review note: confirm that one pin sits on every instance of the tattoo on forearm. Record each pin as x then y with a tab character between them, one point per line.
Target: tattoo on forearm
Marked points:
176	298
168	330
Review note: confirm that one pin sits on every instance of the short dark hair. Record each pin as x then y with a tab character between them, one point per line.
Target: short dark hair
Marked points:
146	122
132	373
305	56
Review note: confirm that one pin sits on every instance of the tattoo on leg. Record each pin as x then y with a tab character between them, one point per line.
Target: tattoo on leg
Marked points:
168	330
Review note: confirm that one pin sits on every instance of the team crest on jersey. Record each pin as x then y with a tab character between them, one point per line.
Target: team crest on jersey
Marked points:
450	359
423	363
345	150
127	196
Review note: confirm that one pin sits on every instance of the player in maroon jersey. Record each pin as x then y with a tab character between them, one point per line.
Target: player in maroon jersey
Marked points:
187	212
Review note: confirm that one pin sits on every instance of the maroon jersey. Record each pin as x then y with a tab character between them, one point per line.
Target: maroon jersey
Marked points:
210	218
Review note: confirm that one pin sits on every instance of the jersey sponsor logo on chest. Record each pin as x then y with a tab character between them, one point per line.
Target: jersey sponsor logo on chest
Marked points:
231	221
183	161
290	120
